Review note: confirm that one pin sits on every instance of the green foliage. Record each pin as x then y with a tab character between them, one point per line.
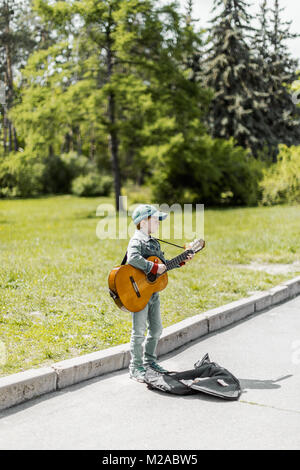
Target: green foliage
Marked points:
18	39
92	184
232	71
123	76
21	175
25	174
210	171
121	87
279	72
250	78
136	194
84	176
75	164
281	182
56	178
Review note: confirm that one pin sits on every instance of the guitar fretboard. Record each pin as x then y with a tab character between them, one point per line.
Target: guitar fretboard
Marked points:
173	263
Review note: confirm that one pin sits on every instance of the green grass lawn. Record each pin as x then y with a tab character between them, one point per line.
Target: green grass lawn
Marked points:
54	301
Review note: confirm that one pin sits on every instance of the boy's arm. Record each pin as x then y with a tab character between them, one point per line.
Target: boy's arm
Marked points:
135	258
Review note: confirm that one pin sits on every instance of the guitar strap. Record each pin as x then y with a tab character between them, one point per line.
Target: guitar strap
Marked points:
167	242
125	257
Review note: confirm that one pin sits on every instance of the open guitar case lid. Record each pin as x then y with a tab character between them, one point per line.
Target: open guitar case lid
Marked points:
206	377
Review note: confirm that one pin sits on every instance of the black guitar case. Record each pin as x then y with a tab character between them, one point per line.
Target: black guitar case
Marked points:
206	377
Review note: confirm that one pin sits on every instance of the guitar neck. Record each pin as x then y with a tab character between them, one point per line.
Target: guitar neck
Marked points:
173	263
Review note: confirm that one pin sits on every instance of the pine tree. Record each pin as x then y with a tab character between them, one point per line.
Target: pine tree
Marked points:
233	72
195	42
261	38
260	44
278	71
283	71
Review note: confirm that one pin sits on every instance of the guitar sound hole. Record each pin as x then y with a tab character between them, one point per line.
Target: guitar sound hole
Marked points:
151	277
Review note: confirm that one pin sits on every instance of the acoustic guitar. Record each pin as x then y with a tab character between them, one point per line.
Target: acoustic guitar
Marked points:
131	288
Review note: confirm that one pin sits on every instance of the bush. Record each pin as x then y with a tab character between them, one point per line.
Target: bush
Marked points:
75	164
209	171
25	175
61	170
137	194
56	176
21	175
281	181
92	184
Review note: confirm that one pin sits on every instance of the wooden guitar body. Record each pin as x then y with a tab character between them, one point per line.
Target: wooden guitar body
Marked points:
131	288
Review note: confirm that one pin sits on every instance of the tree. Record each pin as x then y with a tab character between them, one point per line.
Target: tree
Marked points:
233	72
260	44
16	42
278	70
283	72
117	79
194	42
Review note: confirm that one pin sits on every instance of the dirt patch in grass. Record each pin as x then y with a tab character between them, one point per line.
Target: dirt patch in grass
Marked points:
272	268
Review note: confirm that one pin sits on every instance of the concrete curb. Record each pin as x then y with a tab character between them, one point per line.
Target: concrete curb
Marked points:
23	386
77	369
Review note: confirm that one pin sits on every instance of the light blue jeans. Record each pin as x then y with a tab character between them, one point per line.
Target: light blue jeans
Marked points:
148	316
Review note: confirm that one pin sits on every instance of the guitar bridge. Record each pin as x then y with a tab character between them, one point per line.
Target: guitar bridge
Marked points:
134	285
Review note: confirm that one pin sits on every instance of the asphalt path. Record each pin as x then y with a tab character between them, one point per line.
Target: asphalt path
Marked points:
114	412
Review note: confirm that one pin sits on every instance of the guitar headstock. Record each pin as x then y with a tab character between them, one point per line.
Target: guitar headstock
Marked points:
196	245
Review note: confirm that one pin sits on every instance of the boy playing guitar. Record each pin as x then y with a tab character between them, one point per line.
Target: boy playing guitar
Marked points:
140	247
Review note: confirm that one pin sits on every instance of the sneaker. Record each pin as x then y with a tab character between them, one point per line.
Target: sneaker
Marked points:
157	367
138	374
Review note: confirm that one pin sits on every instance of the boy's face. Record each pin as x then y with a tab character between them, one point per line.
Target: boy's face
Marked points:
153	224
150	225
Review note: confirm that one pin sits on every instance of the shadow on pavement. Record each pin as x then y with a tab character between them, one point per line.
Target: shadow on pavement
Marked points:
262	384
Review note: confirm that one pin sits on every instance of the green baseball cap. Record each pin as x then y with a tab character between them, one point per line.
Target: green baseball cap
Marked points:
145	210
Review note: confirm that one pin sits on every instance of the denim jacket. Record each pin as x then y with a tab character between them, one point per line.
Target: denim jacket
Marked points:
140	247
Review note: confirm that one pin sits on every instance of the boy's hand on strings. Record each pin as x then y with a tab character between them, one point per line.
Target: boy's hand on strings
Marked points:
190	256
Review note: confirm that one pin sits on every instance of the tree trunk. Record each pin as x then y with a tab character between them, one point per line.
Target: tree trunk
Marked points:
9	84
9	136
113	134
16	143
114	150
4	130
71	141
92	144
79	146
